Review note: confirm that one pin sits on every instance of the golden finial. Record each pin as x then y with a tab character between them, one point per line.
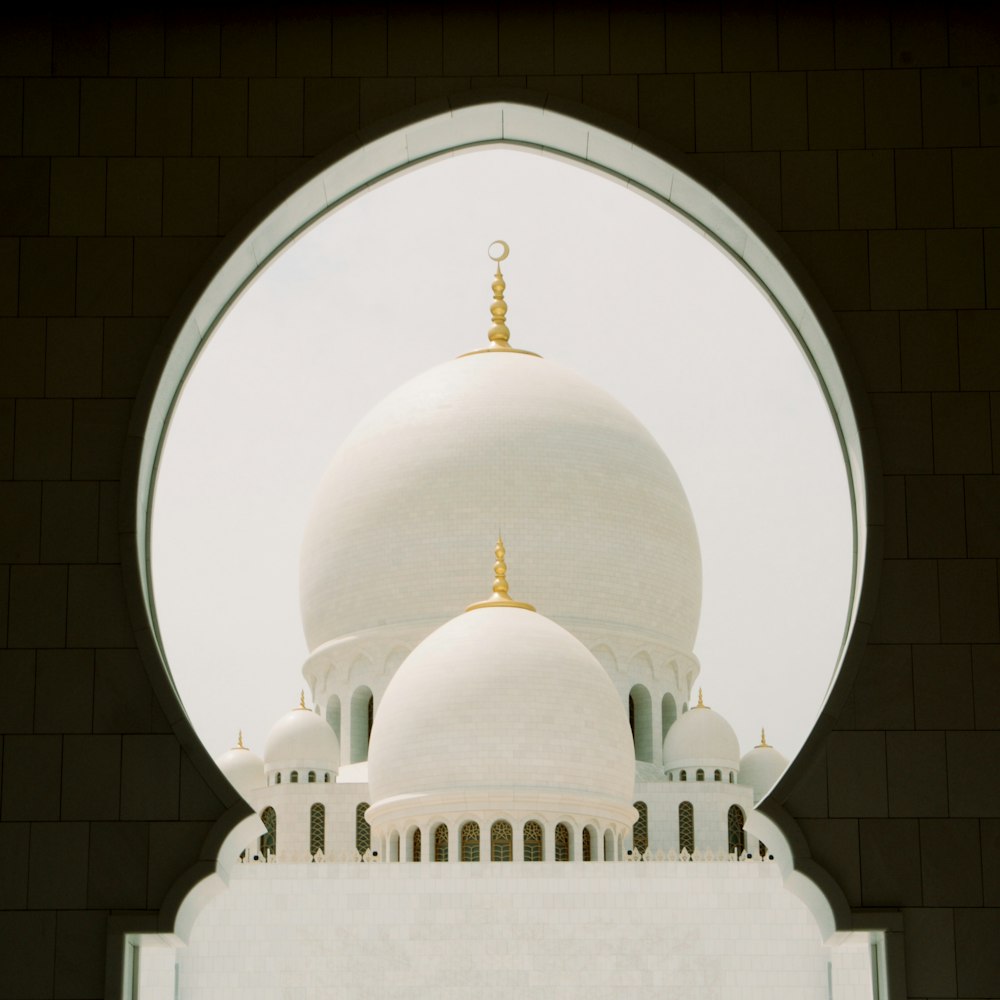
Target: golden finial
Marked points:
701	700
500	597
301	707
240	745
763	740
499	333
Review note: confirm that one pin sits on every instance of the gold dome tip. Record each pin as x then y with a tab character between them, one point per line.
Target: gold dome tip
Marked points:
240	745
763	740
301	706
701	700
500	598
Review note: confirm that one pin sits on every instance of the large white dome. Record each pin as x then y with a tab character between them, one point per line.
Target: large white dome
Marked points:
301	739
501	709
599	519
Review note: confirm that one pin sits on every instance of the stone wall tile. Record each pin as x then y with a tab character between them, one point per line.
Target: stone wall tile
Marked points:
977	956
47	277
77	198
24	196
935	516
614	95
904	425
31	937
805	37
955	275
929	350
894	532
22	357
220	117
359	44
192	43
950	99
898	269
26	47
970	610
31	766
15	843
79	46
923	188
117	865
191	196
163	117
949	862
107	117
756	177
838	262
749	38
380	98
127	344
136	45
978	336
835	845
982	507
150	777
526	42
104	276
69	522
9	265
977	199
96	611
470	42
91	778
989	834
17	668
961	432
243	182
989	105
135	197
883	693
73	350
908	602
570	88
247	43
580	39
637	41
917	777
163	267
332	111
856	775
303	43
51	117
866	189
995	428
862	36
972	36
890	862
875	337
108	547
722	111
275	123
42	439
11	116
4	603
80	954
836	110
809	797
171	847
693	39
197	800
666	108
942	687
57	866
919	38
929	940
20	521
779	110
892	108
122	694
970	791
64	690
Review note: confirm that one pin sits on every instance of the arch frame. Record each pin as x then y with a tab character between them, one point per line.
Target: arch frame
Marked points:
591	139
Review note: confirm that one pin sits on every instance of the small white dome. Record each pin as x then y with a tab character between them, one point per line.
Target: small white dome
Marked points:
761	767
501	709
701	738
301	739
243	768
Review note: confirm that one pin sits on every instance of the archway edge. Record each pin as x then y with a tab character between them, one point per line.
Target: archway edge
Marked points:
591	139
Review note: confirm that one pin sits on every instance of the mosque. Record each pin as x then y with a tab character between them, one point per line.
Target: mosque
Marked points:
516	790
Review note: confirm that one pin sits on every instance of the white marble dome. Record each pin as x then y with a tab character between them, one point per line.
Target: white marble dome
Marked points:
701	738
594	508
761	767
301	739
243	768
501	709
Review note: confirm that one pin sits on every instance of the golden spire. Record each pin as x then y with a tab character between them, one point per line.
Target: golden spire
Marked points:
763	740
301	706
500	597
499	333
240	745
701	700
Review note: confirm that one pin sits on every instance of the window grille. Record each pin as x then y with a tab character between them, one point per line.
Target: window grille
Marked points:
684	776
718	775
294	777
587	851
317	828
470	841
737	838
562	842
700	776
415	853
441	843
501	841
533	841
277	778
326	778
732	778
762	849
640	829
269	839
685	820
312	777
362	831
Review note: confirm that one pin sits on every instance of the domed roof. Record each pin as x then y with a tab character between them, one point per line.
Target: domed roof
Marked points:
588	495
761	767
301	739
497	706
701	738
243	768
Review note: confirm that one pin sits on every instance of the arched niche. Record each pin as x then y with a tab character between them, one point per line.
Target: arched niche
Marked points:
645	165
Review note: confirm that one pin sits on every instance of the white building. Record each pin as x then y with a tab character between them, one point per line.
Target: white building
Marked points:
456	729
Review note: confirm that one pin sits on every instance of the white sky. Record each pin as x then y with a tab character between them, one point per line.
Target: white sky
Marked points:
599	279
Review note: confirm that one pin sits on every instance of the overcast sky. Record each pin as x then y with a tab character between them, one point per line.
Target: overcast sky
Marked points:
600	280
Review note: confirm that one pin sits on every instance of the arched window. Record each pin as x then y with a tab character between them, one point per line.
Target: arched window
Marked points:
684	776
609	846
532	841
732	778
362	715
277	778
700	776
441	843
501	842
269	839
362	831
562	842
312	778
326	778
415	849
670	776
294	777
588	854
762	849
317	828
685	822
718	775
640	829
640	714
668	714
371	715
470	841
737	837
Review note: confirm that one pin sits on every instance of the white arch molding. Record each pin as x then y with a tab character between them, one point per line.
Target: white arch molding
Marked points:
645	165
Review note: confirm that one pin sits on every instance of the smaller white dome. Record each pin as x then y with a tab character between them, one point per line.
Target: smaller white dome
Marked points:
243	768
761	767
701	738
301	739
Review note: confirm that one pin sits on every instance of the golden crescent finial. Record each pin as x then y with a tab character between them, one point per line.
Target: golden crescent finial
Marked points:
505	250
701	700
239	742
500	598
301	707
763	739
